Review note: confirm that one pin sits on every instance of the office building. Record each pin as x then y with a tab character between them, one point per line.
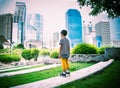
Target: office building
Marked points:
19	22
74	26
115	32
6	25
36	22
102	33
55	39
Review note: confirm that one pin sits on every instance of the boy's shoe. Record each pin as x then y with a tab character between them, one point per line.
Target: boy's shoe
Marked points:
67	73
63	74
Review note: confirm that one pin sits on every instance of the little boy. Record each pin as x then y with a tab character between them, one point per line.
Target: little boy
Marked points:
64	52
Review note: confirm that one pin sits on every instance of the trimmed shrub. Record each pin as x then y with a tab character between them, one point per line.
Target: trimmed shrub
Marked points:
35	53
84	48
101	50
29	54
54	54
44	52
7	58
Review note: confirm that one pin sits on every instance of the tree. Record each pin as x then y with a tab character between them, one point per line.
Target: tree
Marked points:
99	6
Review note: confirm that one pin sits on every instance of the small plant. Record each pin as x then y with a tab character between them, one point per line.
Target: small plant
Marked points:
19	46
7	58
84	48
29	54
35	53
54	54
44	52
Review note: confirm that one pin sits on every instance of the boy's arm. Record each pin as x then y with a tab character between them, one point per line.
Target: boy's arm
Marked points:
69	49
60	49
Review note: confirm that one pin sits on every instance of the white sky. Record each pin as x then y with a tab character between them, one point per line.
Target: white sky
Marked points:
53	12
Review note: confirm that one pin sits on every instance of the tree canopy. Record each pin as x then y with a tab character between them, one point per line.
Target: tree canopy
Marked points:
98	6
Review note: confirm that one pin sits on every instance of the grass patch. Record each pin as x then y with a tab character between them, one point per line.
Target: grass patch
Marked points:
6	82
19	69
108	78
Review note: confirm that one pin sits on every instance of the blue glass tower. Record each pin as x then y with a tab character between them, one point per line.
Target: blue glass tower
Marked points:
115	29
74	26
99	41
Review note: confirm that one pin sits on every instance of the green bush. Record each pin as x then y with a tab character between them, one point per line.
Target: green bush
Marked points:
54	54
1	46
29	54
19	46
44	52
101	50
35	53
84	48
7	58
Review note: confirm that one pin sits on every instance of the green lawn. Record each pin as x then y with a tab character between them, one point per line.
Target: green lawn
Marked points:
108	78
18	69
6	82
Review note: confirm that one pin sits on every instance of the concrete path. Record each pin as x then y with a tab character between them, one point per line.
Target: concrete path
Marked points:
18	67
28	70
56	81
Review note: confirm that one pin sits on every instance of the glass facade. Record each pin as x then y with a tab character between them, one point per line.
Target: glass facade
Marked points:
19	20
115	29
99	41
36	23
74	26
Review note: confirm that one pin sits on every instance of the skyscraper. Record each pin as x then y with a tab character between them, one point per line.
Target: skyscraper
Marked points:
36	23
55	39
74	26
6	24
90	27
115	31
19	22
102	33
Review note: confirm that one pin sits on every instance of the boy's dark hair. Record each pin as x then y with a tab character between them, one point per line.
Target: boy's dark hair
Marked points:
64	32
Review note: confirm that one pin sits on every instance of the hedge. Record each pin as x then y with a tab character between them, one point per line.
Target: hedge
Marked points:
54	54
84	48
7	58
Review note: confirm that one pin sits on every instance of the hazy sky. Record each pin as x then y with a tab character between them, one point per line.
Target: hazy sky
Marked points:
53	12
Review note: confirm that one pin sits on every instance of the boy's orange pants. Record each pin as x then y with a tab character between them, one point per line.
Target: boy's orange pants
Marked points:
65	64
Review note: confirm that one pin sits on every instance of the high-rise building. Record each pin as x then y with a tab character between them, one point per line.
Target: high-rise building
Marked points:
6	24
34	31
102	33
55	39
115	32
19	22
90	27
74	26
36	23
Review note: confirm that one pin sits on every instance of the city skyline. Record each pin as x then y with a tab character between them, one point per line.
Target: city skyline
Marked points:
52	10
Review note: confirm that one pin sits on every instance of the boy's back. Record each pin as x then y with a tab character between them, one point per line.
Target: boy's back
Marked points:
65	46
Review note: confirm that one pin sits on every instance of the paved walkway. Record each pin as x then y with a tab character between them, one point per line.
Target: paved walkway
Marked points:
56	81
28	70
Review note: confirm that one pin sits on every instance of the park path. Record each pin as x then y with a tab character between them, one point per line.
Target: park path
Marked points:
28	70
57	81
